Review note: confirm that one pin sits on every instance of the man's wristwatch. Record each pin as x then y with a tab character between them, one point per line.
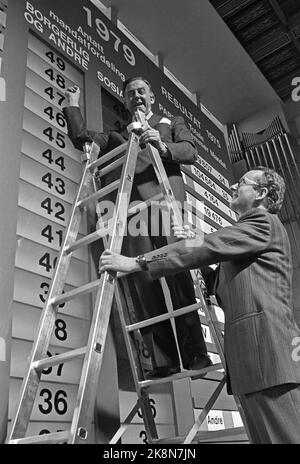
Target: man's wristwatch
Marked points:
164	148
142	262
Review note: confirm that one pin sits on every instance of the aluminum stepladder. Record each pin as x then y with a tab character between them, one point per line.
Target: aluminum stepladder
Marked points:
205	303
93	351
208	304
105	288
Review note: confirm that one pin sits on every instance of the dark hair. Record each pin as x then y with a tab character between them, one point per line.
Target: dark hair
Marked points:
276	188
135	78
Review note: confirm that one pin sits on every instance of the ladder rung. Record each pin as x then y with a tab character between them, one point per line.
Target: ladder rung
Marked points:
180	375
114	165
87	288
108	156
101	232
163	317
99	194
144	204
104	230
224	434
167	440
55	437
234	433
58	359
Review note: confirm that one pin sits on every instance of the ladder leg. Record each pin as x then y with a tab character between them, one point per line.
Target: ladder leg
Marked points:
32	377
190	436
135	363
217	335
241	412
93	360
125	308
124	426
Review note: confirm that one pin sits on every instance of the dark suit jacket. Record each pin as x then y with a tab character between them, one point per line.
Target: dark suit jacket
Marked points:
181	150
254	288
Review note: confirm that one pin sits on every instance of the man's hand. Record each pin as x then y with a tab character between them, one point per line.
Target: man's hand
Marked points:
72	95
110	261
184	232
152	136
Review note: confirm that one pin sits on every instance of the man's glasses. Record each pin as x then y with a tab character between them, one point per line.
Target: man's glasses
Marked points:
246	181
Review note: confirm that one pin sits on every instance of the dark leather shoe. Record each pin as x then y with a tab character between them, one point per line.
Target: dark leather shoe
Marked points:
159	372
200	362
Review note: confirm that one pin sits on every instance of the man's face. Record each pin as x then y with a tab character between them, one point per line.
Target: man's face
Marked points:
138	96
246	192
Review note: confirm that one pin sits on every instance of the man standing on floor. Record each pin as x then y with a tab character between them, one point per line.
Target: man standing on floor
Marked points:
253	286
175	145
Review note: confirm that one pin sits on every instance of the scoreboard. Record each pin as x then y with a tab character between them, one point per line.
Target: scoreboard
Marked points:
64	46
49	173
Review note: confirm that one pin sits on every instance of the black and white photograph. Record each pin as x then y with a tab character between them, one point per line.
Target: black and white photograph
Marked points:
150	227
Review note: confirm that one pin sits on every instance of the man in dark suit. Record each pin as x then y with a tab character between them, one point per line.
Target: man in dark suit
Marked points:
254	288
175	145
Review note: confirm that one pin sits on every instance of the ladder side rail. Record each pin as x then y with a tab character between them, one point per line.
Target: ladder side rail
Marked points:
122	429
92	362
134	360
31	379
218	338
165	184
243	417
208	406
177	219
124	300
173	206
212	320
95	163
136	367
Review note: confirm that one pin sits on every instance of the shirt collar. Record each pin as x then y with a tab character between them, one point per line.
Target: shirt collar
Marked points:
149	115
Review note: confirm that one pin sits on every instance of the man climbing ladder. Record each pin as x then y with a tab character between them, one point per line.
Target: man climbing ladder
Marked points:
176	146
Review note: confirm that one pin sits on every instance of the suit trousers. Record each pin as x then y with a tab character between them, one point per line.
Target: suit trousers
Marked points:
273	414
146	232
149	300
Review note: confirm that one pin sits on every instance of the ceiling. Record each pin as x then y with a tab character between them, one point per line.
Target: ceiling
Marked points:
201	51
269	30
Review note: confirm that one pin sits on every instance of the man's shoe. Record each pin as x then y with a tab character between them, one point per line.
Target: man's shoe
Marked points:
200	362
159	372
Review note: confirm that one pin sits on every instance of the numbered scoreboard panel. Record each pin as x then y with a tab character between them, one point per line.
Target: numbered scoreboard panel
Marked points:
49	174
207	197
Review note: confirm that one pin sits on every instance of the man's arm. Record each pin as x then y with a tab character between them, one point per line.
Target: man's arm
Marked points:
77	130
246	238
182	149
